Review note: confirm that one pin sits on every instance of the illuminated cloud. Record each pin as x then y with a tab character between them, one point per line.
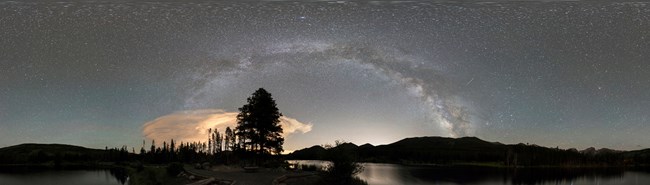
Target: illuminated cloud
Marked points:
192	125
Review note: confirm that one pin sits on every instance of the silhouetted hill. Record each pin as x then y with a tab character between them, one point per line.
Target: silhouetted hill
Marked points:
30	147
315	152
347	147
466	143
603	151
43	153
417	149
442	150
367	145
435	150
637	157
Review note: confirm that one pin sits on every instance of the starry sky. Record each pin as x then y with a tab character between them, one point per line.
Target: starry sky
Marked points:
102	73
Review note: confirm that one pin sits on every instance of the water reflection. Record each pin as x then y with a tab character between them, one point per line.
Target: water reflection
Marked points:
120	174
380	174
479	175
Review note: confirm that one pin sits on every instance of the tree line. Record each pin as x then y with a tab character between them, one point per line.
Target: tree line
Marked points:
258	134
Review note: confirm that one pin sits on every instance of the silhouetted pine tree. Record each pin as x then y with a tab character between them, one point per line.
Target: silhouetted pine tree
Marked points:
258	124
227	139
210	140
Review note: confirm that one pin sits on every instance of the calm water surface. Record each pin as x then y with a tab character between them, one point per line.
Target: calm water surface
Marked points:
68	177
385	174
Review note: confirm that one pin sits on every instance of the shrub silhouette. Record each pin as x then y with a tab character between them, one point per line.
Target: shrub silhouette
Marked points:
344	165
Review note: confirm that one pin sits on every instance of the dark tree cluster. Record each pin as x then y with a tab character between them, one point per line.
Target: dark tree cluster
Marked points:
219	147
258	133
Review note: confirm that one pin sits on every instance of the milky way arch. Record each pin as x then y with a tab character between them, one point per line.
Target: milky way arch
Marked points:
444	109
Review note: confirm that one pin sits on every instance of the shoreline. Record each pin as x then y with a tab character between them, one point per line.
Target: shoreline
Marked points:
490	165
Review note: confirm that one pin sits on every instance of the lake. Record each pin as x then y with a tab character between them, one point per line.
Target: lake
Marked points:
385	174
68	177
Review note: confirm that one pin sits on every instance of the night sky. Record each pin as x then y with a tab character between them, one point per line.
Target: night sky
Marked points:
96	74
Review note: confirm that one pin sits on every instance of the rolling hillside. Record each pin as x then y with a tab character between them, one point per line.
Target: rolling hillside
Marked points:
472	150
44	153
